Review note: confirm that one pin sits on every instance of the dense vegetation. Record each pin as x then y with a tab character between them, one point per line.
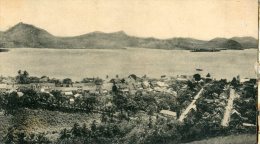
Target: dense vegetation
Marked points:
134	117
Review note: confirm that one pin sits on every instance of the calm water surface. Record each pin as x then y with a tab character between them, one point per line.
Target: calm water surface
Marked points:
80	63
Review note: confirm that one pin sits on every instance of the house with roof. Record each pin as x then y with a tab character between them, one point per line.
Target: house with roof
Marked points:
121	87
134	77
209	101
4	87
44	79
243	80
71	101
171	91
145	84
12	90
68	94
88	80
168	114
77	95
248	125
158	89
161	84
98	81
235	115
20	94
107	86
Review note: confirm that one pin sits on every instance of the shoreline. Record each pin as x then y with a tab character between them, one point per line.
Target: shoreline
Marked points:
125	48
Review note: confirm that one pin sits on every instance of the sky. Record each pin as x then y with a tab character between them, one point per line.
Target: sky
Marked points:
201	19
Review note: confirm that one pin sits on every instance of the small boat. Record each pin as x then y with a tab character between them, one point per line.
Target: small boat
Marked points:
199	69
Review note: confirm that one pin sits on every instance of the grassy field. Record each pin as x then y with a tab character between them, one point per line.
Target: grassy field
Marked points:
45	121
52	122
232	139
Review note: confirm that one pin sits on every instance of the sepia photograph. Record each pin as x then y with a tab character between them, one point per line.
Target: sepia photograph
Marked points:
128	71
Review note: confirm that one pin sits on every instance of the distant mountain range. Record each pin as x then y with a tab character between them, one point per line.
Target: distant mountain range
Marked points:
29	36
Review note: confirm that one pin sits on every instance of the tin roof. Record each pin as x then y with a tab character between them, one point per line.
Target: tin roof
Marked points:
171	113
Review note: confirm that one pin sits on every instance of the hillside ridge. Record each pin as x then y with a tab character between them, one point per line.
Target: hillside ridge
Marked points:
26	35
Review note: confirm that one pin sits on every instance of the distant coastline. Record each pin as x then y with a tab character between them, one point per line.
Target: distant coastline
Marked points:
28	36
126	48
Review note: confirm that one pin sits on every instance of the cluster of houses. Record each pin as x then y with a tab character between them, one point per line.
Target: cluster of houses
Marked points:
129	85
132	83
71	92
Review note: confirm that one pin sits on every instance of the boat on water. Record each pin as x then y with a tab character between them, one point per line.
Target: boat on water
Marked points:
197	69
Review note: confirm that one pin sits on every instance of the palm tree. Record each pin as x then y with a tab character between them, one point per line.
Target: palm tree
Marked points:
18	78
19	72
64	134
25	77
25	73
76	130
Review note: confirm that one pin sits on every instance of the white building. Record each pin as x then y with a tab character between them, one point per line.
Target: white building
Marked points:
168	113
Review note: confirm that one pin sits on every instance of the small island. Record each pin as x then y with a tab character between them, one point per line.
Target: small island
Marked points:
206	50
4	50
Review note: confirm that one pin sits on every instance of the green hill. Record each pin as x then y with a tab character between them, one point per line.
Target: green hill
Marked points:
25	35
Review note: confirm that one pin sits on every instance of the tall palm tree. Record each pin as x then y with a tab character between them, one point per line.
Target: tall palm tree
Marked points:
19	72
25	73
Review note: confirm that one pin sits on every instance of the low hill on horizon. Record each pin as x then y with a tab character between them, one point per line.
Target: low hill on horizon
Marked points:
24	35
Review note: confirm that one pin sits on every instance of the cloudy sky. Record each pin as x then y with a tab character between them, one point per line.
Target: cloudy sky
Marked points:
202	19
